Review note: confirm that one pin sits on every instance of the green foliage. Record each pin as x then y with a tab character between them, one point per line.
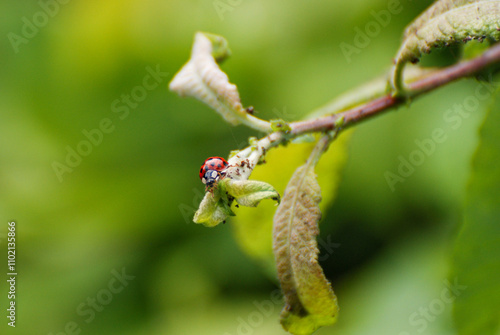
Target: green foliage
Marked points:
250	192
253	228
202	79
220	48
476	261
310	302
213	209
309	299
130	202
216	205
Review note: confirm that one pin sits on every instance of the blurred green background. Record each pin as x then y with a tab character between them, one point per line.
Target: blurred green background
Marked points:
126	206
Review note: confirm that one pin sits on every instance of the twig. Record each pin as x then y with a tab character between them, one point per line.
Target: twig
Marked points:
379	105
426	82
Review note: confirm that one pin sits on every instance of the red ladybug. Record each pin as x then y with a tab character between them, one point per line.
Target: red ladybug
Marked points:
210	171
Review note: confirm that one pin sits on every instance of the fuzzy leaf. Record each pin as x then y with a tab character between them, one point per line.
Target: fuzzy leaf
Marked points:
444	23
438	8
202	78
249	192
253	228
213	210
310	302
476	261
216	205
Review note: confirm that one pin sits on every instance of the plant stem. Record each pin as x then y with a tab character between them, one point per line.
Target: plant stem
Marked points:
322	146
379	103
255	123
418	87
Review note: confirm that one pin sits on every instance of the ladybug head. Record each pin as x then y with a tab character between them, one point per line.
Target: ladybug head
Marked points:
210	177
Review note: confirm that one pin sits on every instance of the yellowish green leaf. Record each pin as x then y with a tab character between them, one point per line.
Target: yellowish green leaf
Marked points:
202	78
253	228
216	205
310	302
250	192
212	210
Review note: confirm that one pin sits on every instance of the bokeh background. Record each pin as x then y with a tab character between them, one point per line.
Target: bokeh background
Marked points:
127	205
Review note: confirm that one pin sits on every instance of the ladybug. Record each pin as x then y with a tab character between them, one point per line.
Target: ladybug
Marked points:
210	171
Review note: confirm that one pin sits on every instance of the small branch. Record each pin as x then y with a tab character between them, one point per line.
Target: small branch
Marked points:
255	123
322	146
423	82
418	87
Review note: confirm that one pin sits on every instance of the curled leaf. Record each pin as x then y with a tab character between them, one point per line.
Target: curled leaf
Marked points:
253	228
310	302
216	205
220	48
438	8
213	210
250	192
202	79
444	23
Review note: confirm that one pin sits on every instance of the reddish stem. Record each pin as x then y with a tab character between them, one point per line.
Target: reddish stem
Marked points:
379	105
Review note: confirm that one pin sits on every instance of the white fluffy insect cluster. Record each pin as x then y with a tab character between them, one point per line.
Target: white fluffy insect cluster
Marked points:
242	164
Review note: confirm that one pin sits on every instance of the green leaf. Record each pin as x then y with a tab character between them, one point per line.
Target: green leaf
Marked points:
309	299
216	205
202	79
444	23
220	47
476	260
253	228
213	210
249	192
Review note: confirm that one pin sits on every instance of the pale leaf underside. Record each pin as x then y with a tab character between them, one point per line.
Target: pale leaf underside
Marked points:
444	23
436	9
250	192
309	299
202	79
